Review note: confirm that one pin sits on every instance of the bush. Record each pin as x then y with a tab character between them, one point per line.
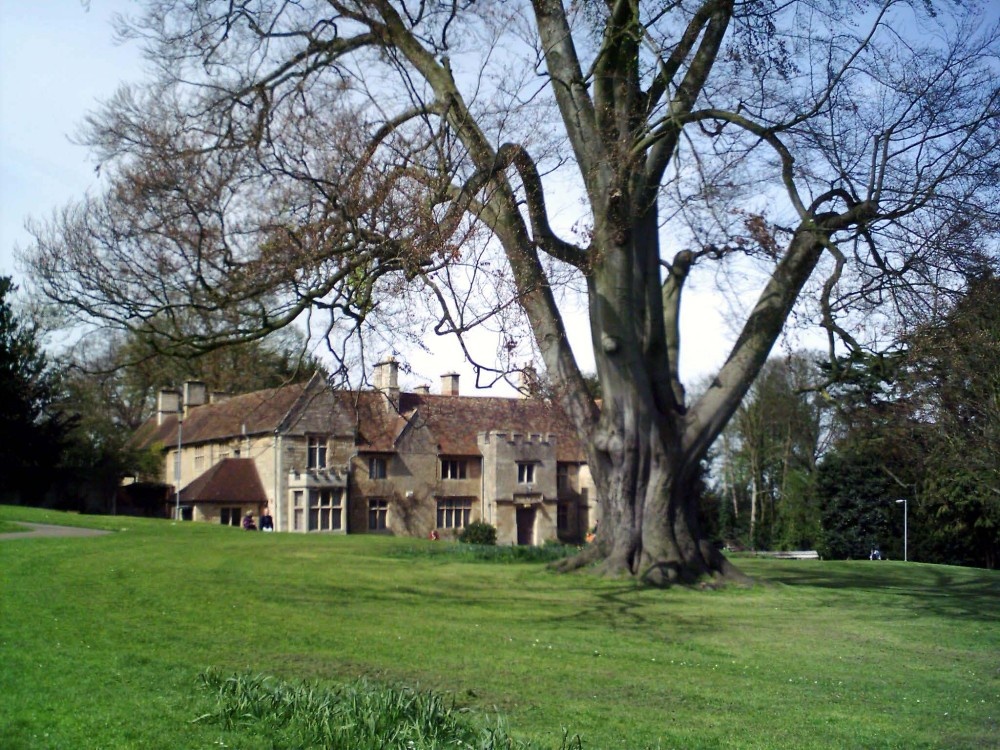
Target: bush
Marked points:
479	532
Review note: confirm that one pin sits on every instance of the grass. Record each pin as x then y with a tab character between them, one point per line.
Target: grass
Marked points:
356	716
7	527
549	552
103	641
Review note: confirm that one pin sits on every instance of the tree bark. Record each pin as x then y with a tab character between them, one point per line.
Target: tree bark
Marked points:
649	528
645	476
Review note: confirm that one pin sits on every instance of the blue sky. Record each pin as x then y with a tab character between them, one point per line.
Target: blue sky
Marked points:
57	59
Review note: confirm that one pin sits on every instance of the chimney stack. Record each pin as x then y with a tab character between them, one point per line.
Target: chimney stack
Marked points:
449	384
386	378
195	394
422	390
528	382
168	403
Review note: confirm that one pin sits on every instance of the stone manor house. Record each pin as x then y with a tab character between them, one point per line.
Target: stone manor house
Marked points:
375	461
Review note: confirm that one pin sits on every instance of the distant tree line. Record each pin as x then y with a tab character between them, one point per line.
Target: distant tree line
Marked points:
766	460
65	421
815	457
820	453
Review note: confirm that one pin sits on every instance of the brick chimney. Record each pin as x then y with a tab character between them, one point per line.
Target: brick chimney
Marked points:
449	384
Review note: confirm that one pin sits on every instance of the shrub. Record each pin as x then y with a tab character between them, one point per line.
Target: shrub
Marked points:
479	532
548	552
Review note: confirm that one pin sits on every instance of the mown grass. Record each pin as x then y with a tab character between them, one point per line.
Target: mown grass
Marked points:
102	641
8	527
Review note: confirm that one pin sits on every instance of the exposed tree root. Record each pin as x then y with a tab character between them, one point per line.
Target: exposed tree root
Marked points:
584	558
660	573
725	571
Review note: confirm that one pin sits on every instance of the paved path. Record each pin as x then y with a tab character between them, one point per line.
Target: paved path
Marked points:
47	529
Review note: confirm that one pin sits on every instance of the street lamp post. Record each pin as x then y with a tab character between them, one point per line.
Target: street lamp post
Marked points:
905	513
177	465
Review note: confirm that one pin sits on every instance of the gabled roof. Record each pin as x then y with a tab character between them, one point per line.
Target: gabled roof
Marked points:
248	414
232	480
453	422
320	410
456	421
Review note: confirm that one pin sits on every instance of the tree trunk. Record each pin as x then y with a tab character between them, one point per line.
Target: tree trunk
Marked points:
649	528
645	445
646	478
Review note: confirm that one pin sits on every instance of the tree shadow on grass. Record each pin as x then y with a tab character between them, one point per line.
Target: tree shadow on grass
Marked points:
951	592
627	608
618	606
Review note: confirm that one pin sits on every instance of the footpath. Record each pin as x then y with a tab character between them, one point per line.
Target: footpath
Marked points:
48	529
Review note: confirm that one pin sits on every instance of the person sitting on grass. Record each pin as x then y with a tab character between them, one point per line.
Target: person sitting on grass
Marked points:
248	524
266	521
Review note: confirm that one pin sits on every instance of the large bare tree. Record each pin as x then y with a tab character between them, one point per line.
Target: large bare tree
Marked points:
351	156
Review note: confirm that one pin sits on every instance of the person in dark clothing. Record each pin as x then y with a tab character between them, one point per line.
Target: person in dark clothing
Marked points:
248	524
266	522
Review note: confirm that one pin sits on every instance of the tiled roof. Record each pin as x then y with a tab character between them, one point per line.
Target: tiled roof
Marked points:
231	480
454	422
250	414
378	424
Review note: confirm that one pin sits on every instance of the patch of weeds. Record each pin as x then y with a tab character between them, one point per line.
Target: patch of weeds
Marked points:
356	716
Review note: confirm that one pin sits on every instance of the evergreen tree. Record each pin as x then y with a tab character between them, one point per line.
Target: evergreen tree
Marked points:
858	513
32	433
953	378
924	424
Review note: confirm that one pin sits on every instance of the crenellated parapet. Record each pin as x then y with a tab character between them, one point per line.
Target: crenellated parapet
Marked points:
523	439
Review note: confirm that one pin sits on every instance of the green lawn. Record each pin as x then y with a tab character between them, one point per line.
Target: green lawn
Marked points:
102	641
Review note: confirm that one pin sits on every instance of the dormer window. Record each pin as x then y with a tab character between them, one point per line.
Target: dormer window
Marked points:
376	467
316	452
525	472
454	469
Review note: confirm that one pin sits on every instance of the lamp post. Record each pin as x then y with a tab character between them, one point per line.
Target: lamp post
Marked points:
177	465
903	501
